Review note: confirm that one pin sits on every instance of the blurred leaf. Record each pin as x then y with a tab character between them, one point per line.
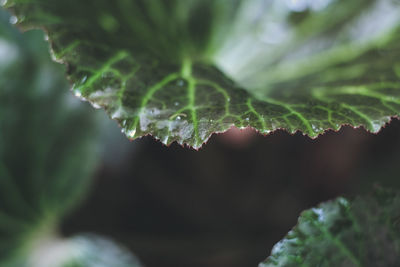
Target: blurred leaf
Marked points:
361	232
82	251
47	142
184	69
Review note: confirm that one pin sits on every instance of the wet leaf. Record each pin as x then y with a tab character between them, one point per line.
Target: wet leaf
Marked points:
360	232
182	70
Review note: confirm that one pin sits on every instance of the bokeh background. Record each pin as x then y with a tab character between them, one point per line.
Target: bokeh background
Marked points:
229	202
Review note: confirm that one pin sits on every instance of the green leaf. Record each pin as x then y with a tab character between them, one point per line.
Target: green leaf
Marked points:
181	70
47	142
82	251
360	232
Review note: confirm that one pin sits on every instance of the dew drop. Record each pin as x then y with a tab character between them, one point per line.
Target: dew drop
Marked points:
96	106
77	93
13	20
343	202
131	133
320	213
178	118
180	82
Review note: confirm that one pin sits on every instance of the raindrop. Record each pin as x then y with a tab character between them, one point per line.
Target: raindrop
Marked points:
13	20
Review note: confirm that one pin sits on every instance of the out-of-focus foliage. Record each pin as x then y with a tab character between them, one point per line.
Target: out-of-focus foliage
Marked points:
82	251
181	70
361	232
47	154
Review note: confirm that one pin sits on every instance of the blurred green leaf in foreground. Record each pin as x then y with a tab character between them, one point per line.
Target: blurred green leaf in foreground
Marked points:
47	155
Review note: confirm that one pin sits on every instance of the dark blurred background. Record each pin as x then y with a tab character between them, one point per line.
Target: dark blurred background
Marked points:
230	202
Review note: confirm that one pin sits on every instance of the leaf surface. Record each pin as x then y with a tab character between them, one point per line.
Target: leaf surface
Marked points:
360	232
181	70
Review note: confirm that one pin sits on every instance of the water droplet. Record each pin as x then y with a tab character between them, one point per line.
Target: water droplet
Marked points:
180	82
247	119
96	106
320	213
315	128
176	103
13	20
77	93
131	133
84	79
229	99
376	126
46	37
178	118
343	202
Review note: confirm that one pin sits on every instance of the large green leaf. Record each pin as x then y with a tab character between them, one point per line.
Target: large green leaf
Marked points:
360	232
47	143
183	69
